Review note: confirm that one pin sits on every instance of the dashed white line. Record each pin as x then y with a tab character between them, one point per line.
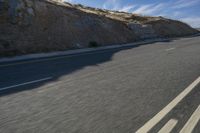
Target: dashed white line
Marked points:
170	49
192	122
26	83
158	117
168	127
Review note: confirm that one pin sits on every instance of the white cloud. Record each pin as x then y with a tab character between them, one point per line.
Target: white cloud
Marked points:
111	4
116	5
185	3
169	9
127	8
193	21
177	13
171	15
70	1
143	9
150	9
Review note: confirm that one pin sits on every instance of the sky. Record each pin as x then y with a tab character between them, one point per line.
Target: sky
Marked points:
185	10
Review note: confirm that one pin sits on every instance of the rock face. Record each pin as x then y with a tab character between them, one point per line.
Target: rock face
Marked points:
171	28
142	30
33	26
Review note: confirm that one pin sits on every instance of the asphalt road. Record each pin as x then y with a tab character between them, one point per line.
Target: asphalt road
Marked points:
148	88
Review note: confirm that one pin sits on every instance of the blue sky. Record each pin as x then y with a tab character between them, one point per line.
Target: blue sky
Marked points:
184	10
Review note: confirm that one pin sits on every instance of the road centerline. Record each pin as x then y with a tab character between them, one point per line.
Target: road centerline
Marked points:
25	83
159	116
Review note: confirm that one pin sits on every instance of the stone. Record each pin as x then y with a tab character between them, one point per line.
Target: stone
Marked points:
29	3
30	11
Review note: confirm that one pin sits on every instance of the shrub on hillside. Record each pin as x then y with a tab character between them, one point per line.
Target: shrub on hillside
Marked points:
93	44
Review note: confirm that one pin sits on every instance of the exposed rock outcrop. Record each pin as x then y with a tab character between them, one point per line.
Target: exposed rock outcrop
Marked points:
32	26
142	30
171	28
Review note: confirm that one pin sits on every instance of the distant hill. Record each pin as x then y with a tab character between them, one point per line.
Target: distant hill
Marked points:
34	26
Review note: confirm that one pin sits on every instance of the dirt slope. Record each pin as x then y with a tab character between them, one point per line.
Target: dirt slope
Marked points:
33	26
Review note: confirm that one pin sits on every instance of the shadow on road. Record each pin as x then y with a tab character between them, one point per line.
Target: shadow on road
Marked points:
56	68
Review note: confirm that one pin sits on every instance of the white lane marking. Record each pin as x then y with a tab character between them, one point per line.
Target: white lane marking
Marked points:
192	122
26	83
170	49
158	117
168	127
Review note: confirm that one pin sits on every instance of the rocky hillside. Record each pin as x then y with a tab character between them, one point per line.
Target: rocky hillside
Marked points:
33	26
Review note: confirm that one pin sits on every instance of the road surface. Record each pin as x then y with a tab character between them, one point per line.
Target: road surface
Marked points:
147	88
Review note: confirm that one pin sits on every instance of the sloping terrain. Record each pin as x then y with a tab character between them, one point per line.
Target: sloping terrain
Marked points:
33	26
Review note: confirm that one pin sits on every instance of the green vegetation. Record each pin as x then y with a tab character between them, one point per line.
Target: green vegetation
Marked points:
93	44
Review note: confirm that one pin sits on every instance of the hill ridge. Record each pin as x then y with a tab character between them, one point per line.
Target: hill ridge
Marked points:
35	26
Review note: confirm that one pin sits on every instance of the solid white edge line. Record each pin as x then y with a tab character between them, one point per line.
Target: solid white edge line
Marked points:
83	52
168	127
159	116
26	83
54	58
192	122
